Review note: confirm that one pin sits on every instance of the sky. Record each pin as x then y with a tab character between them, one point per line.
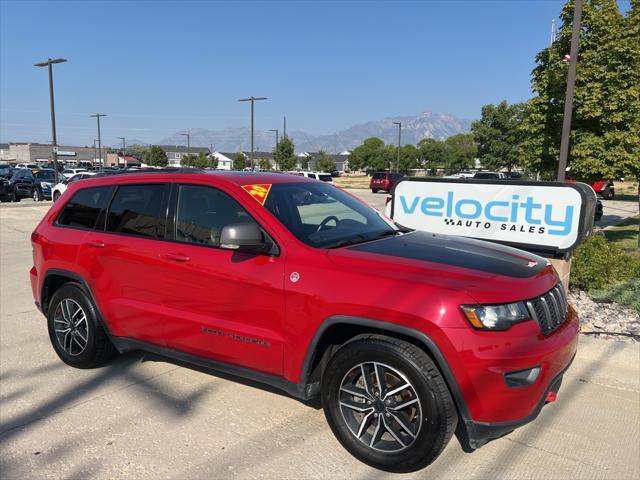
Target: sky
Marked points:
159	67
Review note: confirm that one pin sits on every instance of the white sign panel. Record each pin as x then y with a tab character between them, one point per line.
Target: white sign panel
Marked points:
543	215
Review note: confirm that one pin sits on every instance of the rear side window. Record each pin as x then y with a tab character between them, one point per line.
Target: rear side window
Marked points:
136	210
378	176
84	207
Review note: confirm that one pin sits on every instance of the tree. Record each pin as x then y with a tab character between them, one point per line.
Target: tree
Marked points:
204	161
460	152
138	151
499	134
156	157
369	156
239	161
605	137
284	156
408	158
431	153
324	162
264	164
188	161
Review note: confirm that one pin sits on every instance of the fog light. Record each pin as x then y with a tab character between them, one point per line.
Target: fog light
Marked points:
521	378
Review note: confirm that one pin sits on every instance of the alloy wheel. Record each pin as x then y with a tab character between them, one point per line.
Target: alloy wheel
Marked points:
71	327
380	407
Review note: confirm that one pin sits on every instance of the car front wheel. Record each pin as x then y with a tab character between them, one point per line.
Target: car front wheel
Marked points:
36	195
56	196
387	403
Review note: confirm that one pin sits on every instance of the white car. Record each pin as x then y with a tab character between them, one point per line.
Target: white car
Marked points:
70	172
322	176
60	188
28	166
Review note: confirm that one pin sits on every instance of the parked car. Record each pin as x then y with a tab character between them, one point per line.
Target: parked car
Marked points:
384	181
35	183
7	173
61	187
4	169
490	175
322	176
70	172
254	274
29	166
7	191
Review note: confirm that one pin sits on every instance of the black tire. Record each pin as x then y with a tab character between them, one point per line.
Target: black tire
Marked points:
374	190
35	194
433	427
16	197
56	196
98	348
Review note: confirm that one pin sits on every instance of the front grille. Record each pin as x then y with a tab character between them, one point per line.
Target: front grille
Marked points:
549	310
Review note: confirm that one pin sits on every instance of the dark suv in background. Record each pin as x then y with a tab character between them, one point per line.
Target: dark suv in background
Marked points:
384	181
36	183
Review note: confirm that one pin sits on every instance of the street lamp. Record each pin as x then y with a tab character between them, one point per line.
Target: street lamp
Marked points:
97	116
188	135
252	99
95	153
124	147
276	155
49	63
399	136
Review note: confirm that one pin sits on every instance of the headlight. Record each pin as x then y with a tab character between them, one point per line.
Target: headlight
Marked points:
495	317
45	185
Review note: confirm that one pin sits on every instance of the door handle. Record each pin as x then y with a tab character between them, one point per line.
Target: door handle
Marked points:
177	257
96	243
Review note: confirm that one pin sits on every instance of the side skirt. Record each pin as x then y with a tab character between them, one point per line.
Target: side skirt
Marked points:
300	391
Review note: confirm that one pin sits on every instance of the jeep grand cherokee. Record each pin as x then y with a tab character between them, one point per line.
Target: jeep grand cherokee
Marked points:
405	337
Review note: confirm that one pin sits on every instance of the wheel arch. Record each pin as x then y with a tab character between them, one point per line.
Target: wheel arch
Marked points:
56	278
340	329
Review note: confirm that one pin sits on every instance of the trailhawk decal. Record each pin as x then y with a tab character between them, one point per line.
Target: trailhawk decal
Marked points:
258	191
541	215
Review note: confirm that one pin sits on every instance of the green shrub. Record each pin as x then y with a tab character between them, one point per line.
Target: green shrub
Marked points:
625	293
598	263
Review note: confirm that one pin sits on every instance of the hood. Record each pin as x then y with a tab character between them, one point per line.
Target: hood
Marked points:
458	252
487	271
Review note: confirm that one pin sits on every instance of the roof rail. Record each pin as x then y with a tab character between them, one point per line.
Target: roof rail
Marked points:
108	172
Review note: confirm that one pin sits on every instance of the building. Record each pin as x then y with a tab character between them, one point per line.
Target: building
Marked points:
225	160
340	159
4	152
175	153
121	160
43	153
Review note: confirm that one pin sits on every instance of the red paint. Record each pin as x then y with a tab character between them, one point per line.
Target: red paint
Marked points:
189	297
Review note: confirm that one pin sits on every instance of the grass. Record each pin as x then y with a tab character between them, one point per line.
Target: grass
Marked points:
627	190
352	181
626	293
625	235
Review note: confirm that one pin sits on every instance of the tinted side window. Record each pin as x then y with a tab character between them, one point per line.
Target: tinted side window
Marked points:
136	210
84	207
202	212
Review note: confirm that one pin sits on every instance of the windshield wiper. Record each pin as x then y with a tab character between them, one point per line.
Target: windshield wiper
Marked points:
362	239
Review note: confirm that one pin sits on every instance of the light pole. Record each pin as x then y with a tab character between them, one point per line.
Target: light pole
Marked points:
188	135
97	116
252	99
275	157
568	99
95	153
49	63
399	137
124	147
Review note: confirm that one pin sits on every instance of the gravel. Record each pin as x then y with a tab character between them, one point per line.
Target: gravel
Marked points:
605	319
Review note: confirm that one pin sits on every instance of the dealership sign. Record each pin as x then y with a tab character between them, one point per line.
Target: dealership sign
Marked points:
537	216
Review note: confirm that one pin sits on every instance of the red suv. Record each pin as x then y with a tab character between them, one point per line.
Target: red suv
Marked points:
383	181
406	337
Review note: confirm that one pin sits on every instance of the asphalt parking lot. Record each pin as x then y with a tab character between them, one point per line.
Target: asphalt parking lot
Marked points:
146	417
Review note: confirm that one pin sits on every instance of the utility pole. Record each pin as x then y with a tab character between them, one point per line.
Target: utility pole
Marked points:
98	115
124	147
399	136
553	33
275	157
95	153
284	131
252	99
571	82
49	63
188	135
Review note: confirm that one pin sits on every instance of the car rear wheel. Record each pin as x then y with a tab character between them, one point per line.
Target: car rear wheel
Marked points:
387	403
56	196
607	193
74	330
374	190
36	195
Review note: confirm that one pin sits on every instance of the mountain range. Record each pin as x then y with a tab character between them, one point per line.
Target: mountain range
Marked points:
414	128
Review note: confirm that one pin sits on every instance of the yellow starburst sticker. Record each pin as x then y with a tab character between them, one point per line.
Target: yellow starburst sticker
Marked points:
258	191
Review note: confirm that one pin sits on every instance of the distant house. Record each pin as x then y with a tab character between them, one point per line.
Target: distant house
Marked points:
121	160
175	153
225	160
341	160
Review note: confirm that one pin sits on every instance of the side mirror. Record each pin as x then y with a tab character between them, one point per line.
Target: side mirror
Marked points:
243	237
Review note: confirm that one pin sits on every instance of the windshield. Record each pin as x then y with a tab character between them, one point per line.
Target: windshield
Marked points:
324	216
44	175
325	178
